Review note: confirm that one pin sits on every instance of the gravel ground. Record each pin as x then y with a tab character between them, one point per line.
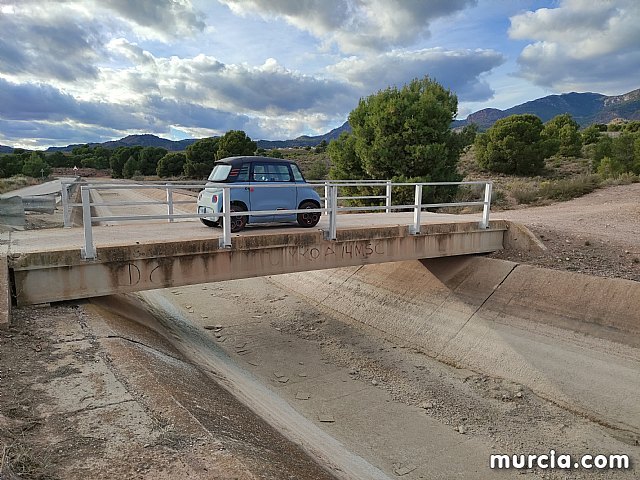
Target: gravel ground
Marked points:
597	234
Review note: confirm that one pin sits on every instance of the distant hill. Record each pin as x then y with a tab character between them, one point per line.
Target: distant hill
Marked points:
149	140
146	140
5	149
585	108
305	140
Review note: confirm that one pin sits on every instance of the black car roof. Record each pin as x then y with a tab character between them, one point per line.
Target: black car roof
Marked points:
235	161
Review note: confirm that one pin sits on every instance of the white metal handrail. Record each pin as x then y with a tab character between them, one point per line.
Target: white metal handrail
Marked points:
331	204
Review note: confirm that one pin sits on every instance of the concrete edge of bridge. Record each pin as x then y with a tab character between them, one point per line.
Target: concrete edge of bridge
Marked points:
5	292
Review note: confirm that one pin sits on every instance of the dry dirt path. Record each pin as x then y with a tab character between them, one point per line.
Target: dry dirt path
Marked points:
598	233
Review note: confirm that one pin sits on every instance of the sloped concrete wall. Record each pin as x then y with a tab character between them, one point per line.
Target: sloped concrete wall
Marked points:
571	338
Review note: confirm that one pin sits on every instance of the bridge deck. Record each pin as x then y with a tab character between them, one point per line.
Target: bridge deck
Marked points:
147	232
47	265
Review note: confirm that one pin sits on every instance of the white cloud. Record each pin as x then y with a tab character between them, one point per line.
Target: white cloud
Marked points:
459	70
581	44
356	25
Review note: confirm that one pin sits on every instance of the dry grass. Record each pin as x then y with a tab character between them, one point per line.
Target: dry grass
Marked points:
21	461
18	181
562	179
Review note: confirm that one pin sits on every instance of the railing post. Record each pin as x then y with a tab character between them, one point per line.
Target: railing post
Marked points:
487	205
89	250
66	218
417	210
226	218
169	201
326	195
388	199
333	212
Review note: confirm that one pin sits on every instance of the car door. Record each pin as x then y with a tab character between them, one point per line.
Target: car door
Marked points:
282	197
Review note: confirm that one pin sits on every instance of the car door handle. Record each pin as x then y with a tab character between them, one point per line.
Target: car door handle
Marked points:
251	189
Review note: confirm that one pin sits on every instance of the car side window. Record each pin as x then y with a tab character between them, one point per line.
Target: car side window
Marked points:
241	173
297	175
270	172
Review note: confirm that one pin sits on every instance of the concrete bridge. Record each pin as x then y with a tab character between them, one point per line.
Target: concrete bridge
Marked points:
41	266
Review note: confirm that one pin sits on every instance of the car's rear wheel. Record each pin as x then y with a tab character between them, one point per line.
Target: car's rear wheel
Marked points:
209	223
310	219
237	223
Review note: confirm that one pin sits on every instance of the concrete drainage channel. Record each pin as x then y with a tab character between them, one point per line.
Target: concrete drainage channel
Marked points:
386	371
403	371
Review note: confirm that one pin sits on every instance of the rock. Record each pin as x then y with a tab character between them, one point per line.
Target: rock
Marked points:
303	396
326	418
426	405
519	394
461	429
400	471
374	382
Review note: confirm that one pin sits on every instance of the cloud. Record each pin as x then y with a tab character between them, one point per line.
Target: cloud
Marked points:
163	19
458	70
240	88
47	45
356	25
581	44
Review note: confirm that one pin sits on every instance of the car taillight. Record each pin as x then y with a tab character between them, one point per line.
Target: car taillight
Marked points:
214	199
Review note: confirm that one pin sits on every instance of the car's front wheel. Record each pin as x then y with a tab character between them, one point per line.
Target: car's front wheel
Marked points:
209	223
237	223
310	219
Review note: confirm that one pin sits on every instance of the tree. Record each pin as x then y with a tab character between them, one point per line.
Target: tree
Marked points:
591	135
317	171
273	153
235	143
120	156
10	165
35	166
513	145
131	167
622	150
406	132
171	165
561	133
200	157
149	158
321	147
346	164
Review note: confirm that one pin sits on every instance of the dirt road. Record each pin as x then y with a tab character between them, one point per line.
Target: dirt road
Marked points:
598	233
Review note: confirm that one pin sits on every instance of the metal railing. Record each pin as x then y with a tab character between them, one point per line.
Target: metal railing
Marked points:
332	204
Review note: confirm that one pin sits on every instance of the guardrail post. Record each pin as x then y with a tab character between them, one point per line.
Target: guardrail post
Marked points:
326	195
66	218
226	218
89	250
332	195
169	201
417	211
388	199
487	205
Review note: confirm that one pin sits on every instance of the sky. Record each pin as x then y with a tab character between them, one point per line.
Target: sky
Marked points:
78	71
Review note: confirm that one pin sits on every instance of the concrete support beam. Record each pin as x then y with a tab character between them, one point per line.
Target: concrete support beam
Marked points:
5	293
63	275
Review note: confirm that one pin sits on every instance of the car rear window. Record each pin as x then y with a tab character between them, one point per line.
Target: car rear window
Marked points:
219	173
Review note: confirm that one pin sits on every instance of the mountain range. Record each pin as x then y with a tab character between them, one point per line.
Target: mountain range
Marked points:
585	108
